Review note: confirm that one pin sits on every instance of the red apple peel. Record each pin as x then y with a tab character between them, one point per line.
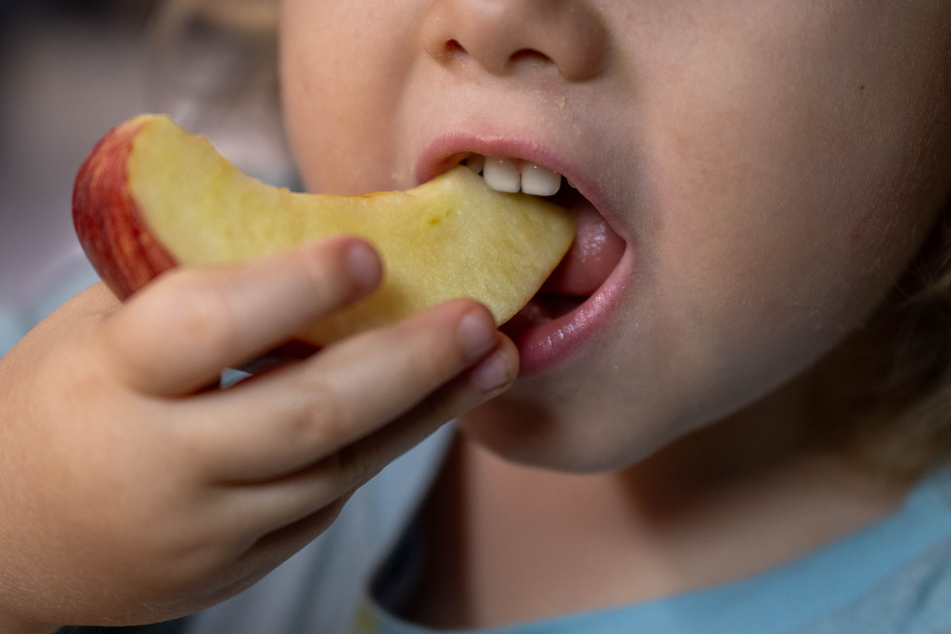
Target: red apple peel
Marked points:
119	245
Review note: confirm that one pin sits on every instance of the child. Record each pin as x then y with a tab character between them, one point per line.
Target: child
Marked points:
730	414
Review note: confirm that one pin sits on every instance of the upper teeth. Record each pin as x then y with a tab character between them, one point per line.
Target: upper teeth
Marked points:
505	175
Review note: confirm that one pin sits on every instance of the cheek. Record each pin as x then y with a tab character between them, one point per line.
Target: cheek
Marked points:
341	75
781	200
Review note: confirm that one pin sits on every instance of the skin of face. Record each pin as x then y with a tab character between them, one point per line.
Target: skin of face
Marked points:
773	167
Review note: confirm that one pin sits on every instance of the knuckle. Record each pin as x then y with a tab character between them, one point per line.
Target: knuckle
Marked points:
437	349
184	308
186	562
205	315
353	466
321	417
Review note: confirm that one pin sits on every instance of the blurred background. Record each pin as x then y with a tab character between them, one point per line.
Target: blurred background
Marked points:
70	70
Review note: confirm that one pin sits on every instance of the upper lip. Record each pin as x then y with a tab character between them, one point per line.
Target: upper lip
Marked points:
447	150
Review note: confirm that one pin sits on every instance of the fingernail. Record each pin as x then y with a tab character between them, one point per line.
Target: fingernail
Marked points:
477	335
364	264
491	374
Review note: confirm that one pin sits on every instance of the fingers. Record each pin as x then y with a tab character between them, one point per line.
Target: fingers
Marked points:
176	336
280	423
283	503
291	499
266	553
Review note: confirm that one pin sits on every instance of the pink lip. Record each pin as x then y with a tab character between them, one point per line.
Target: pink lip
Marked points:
543	347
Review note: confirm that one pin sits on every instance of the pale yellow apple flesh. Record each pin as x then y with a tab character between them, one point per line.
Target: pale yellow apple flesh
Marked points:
449	238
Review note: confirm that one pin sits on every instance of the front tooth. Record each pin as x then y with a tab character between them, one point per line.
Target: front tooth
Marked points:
539	180
501	175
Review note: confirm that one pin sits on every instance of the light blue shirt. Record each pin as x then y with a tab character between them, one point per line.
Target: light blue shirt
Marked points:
893	577
889	578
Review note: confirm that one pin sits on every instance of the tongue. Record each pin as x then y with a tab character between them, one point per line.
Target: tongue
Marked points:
595	252
593	255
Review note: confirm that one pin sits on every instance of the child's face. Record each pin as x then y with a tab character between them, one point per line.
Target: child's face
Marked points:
771	166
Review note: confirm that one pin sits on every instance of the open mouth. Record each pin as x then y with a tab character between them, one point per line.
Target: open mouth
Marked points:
578	294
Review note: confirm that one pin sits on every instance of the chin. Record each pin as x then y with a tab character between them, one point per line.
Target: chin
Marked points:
533	433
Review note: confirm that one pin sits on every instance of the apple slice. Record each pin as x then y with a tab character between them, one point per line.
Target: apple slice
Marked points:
150	197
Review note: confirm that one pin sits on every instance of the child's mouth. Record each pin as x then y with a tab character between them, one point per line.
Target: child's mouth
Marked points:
567	307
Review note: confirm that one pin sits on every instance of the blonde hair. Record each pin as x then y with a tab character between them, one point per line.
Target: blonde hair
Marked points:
888	386
892	389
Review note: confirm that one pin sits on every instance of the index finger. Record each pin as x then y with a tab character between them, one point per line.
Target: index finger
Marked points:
176	335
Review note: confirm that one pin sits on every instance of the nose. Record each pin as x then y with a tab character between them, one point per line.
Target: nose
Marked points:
503	36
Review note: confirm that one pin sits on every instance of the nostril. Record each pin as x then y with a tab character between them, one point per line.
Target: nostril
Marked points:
500	35
446	50
529	55
453	47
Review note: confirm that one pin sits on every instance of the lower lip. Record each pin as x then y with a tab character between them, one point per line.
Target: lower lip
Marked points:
543	347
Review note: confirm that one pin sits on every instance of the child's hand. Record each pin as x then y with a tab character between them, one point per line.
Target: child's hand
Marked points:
129	493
